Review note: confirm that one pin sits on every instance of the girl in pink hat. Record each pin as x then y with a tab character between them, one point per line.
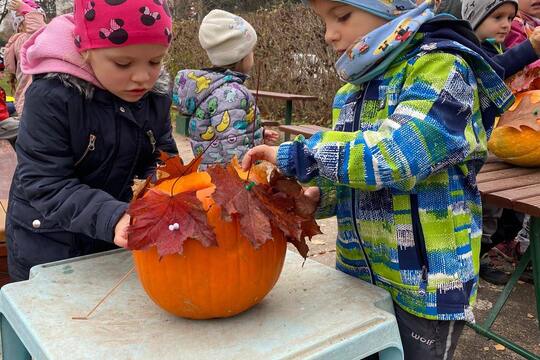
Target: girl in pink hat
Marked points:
95	117
28	18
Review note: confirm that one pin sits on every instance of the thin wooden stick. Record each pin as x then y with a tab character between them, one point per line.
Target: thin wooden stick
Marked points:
105	297
255	120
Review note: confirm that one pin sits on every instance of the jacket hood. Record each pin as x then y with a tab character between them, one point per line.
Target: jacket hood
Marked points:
456	36
52	49
193	87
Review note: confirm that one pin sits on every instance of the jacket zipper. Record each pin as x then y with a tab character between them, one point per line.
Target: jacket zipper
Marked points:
128	178
419	243
356	126
91	147
152	139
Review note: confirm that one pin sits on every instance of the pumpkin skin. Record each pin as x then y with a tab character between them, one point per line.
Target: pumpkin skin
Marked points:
213	282
516	139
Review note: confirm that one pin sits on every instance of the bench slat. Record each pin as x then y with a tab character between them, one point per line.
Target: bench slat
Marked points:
306	130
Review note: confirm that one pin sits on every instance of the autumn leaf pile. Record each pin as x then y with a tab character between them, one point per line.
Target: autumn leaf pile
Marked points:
167	220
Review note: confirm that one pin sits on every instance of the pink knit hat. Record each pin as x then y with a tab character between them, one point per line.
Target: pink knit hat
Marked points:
115	23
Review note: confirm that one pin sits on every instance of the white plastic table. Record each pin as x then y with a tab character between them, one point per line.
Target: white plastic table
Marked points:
313	312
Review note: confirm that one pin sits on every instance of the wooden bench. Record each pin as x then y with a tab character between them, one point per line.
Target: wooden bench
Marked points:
306	130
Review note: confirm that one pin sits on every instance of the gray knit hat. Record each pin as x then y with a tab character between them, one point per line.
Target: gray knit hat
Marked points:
227	38
476	11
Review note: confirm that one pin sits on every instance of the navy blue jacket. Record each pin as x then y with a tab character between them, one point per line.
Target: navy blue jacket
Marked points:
511	60
78	150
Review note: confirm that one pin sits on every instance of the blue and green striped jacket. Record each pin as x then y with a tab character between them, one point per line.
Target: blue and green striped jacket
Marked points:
399	171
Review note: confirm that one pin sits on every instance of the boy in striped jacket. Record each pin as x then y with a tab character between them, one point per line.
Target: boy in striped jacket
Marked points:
399	169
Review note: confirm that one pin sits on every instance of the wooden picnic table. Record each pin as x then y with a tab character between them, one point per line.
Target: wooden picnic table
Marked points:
507	186
288	98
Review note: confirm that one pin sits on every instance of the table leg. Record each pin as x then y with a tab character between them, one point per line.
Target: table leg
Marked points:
532	253
288	116
507	291
12	347
534	237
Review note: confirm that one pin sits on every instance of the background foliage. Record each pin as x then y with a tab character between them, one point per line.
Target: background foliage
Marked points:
290	56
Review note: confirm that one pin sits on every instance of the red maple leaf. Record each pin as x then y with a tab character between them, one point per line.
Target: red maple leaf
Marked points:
235	200
167	221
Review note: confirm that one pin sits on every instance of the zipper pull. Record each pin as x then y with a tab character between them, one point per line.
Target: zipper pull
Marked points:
92	143
150	135
423	283
90	147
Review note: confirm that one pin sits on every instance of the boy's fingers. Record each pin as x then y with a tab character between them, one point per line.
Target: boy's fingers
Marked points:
246	161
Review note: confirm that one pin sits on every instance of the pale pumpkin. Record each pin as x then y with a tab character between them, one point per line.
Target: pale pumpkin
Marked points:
210	282
516	138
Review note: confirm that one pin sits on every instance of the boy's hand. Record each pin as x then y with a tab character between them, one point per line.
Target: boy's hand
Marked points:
120	231
535	40
270	137
14	5
261	152
308	203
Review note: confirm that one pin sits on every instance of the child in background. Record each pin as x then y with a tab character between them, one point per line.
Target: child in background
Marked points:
524	24
399	169
527	19
28	18
4	112
8	125
491	21
223	114
95	117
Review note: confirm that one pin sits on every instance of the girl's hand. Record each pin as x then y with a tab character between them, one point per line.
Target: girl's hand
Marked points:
270	137
120	231
535	40
261	152
14	5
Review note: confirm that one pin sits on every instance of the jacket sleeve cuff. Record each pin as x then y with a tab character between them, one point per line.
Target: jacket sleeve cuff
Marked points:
118	209
284	161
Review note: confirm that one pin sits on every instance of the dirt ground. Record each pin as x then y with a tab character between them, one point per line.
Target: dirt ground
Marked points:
517	321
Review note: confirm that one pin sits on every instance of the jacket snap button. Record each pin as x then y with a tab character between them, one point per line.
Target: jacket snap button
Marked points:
122	109
36	224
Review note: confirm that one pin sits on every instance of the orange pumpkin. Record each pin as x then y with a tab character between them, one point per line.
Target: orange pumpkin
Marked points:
516	138
210	282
